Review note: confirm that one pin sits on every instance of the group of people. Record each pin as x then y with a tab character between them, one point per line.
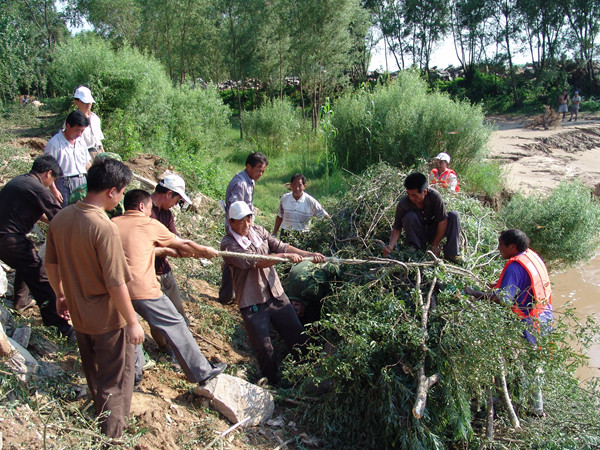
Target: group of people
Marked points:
99	274
563	104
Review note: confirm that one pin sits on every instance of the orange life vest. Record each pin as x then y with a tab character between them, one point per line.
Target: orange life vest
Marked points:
540	282
443	179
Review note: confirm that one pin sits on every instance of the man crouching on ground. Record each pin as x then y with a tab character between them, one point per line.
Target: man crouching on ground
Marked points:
257	288
88	271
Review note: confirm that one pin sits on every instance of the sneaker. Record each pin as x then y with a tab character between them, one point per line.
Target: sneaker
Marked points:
217	369
21	308
150	363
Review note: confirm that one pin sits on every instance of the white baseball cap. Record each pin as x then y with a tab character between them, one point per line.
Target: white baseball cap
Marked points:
176	184
239	210
443	157
84	94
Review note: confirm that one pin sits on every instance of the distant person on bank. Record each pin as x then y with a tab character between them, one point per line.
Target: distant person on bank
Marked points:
575	102
72	155
524	285
23	201
297	208
92	135
442	176
141	235
563	104
89	273
258	290
240	188
423	217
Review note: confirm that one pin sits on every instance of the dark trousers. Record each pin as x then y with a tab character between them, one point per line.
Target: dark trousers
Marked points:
107	362
258	323
19	253
226	289
162	315
418	234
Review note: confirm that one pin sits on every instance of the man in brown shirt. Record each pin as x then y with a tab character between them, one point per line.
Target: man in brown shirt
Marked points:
257	288
140	235
88	272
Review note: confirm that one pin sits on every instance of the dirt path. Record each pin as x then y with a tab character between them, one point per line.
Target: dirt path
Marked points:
537	160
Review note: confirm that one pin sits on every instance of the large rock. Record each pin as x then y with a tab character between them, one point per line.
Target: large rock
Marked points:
22	363
3	282
5	347
7	321
237	399
21	336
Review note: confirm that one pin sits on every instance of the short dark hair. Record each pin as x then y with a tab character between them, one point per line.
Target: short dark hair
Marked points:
416	180
107	173
45	163
297	176
77	119
256	158
517	237
134	197
160	189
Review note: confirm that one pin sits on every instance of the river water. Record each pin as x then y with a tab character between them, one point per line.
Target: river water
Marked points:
580	286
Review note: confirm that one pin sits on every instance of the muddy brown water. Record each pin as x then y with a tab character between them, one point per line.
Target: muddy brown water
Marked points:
580	287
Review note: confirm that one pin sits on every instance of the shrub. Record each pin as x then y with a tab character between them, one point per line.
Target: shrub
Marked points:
274	125
402	124
564	226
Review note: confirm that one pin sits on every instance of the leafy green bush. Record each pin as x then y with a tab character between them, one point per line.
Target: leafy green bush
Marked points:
483	177
402	123
370	345
564	226
274	125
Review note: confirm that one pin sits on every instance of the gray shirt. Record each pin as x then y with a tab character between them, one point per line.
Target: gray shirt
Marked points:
240	188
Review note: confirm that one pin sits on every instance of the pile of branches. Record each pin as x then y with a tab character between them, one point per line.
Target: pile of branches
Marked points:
400	357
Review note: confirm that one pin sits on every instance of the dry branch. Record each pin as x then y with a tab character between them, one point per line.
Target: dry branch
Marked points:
424	382
512	416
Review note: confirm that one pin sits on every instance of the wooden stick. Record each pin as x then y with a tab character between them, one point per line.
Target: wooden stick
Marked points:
207	341
512	416
489	423
226	432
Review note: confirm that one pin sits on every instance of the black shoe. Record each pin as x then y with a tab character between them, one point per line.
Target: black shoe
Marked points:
173	360
68	332
217	369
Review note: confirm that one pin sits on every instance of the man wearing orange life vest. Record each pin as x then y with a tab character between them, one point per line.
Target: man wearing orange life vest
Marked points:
442	176
524	284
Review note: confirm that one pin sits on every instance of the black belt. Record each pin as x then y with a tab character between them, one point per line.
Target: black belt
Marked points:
80	175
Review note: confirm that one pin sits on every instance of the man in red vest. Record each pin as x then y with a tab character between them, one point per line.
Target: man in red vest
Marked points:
524	284
442	176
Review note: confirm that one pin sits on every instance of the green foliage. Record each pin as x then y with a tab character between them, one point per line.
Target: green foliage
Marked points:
483	177
370	344
403	124
564	226
274	125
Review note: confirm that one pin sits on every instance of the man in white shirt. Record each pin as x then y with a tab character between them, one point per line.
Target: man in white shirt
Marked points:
72	155
92	135
296	208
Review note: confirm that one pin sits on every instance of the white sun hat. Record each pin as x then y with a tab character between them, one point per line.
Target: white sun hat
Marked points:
84	94
239	210
176	184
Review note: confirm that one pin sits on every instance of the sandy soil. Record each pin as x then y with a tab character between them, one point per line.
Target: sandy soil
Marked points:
537	160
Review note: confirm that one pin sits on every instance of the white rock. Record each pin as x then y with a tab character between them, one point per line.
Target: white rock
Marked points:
3	282
237	399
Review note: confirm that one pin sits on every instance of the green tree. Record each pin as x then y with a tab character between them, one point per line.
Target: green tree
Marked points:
119	20
584	18
428	20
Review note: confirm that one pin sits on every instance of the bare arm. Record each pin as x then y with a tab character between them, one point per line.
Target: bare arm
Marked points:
394	236
197	250
439	235
120	297
163	252
56	283
56	192
294	255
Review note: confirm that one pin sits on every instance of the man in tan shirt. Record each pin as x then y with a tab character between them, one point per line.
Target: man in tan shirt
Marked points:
257	288
88	271
140	235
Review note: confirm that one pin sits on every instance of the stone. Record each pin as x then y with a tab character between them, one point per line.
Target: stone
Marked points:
5	347
23	364
3	282
7	321
22	336
236	399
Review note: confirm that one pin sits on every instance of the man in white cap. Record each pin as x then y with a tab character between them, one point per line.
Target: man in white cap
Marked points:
169	192
72	155
92	136
443	176
258	291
